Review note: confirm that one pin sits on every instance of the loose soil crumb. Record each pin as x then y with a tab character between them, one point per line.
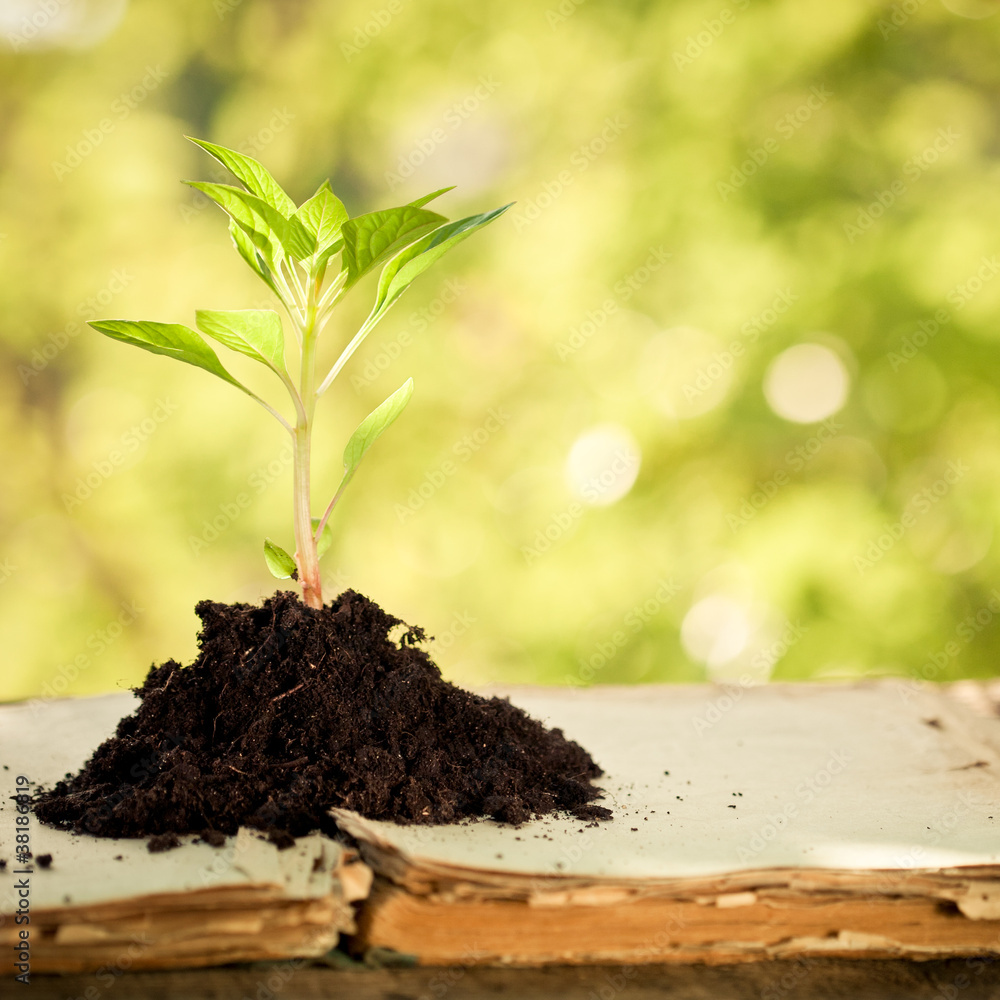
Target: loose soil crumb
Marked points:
44	860
290	710
161	842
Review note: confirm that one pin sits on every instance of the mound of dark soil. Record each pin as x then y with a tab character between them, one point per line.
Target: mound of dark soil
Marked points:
289	710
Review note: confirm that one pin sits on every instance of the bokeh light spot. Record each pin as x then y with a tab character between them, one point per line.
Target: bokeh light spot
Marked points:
716	630
603	464
76	24
806	383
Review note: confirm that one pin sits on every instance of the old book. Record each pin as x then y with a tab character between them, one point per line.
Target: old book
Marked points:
750	822
111	905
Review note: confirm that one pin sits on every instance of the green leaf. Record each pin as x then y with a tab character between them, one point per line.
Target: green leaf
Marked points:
252	223
169	339
246	249
371	239
253	332
269	231
322	256
406	266
430	197
325	540
373	425
279	562
323	215
253	175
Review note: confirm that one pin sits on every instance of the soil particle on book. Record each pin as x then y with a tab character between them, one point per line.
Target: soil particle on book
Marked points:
288	711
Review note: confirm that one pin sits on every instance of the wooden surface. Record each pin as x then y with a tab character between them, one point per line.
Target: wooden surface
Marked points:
812	979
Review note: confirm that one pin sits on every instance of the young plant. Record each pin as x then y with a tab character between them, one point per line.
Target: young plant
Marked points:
310	256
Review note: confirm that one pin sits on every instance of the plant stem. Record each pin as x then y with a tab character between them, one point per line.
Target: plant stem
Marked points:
305	543
317	534
346	354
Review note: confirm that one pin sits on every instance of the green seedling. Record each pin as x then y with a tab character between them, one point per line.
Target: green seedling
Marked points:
310	256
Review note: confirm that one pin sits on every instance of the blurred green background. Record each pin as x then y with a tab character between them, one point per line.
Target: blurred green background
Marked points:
720	395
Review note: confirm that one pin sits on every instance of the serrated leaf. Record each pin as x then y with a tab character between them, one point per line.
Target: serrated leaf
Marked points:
325	540
373	425
246	249
430	197
406	266
173	340
255	176
269	231
323	215
279	562
254	332
371	239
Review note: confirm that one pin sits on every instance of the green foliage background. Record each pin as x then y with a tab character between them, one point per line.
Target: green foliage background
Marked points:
617	127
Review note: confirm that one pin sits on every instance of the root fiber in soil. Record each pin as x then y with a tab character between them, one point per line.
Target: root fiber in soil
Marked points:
289	711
